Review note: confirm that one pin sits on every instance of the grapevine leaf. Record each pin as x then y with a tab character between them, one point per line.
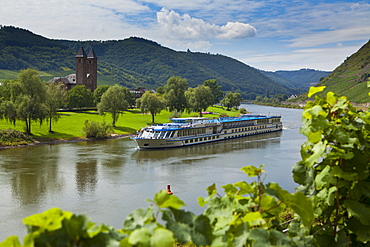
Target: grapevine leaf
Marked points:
331	196
188	227
349	176
211	190
314	90
244	187
139	218
362	231
317	151
297	201
359	210
230	190
324	178
163	200
77	226
268	204
331	98
179	221
252	171
49	220
140	237
260	237
314	137
11	241
202	234
162	238
254	218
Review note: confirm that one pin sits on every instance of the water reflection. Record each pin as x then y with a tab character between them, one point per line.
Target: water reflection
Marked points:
86	176
32	174
208	150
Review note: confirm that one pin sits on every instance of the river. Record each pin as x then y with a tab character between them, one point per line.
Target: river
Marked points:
107	180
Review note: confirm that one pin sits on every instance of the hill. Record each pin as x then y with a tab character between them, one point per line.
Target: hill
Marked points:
351	77
131	62
300	80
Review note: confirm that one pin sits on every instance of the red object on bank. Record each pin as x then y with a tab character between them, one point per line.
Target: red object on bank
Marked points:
169	190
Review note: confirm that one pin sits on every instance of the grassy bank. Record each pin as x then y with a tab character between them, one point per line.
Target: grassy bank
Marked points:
70	125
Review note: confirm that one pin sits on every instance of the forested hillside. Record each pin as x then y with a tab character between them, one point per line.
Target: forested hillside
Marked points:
131	62
351	77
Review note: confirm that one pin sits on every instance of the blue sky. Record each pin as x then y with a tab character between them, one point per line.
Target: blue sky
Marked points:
269	34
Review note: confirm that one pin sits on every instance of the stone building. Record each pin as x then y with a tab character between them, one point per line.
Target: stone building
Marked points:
86	71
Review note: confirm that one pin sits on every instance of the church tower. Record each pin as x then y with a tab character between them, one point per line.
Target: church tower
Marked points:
92	70
86	69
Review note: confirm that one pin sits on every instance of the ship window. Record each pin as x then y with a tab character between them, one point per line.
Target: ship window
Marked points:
162	134
168	134
156	134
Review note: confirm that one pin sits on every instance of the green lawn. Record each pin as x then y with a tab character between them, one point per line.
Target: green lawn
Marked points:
70	125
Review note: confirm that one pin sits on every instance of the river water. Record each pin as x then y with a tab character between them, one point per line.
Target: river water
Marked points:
107	180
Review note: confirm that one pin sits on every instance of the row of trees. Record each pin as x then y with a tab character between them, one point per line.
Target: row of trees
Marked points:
178	97
29	99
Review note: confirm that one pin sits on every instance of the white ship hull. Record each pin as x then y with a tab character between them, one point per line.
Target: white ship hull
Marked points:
212	132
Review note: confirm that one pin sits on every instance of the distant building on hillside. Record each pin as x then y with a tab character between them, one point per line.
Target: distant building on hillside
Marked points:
86	71
138	92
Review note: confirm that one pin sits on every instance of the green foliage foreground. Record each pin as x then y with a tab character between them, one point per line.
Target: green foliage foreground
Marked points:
330	208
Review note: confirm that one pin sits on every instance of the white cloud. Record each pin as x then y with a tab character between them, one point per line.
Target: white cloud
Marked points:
334	36
237	30
326	59
186	27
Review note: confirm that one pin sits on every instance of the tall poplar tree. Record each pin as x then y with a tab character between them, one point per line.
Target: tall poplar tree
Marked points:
55	94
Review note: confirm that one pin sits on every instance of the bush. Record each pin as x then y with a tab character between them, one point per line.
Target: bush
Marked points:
175	114
12	137
97	130
243	110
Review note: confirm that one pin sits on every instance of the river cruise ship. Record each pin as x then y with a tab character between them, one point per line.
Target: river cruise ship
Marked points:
197	130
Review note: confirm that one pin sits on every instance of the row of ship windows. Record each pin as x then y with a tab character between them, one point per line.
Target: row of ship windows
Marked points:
246	129
201	139
191	132
216	137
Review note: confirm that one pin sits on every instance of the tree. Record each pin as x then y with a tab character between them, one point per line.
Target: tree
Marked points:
113	101
160	90
5	90
199	99
174	93
152	103
216	90
79	97
7	107
29	94
129	97
8	111
231	100
55	94
99	91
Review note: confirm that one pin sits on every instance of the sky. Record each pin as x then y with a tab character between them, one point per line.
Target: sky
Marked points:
265	34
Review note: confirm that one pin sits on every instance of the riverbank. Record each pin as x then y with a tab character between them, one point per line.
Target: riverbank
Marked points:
57	141
69	127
